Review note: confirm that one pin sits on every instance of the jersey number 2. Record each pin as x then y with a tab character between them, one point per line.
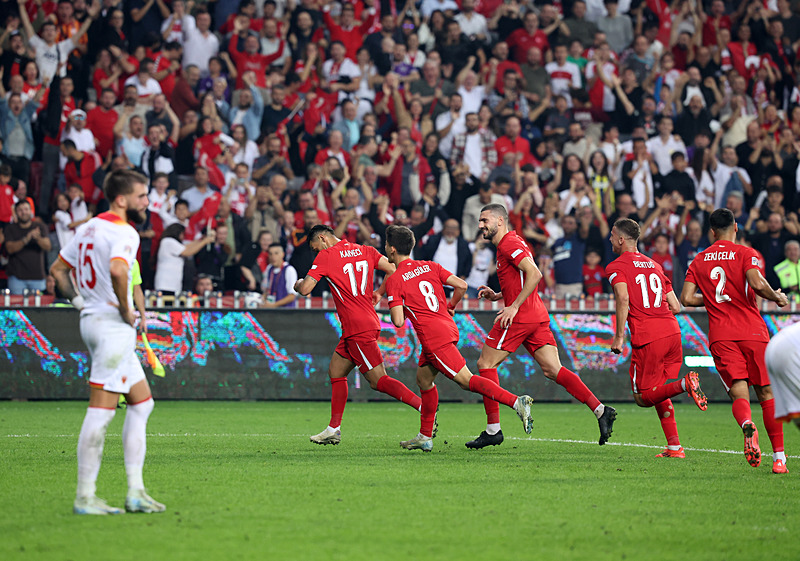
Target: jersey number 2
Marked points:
719	273
87	277
350	271
655	286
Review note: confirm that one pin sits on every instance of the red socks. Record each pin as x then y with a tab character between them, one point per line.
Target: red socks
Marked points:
774	428
491	390
399	391
660	393
576	388
666	414
430	401
741	411
491	407
338	400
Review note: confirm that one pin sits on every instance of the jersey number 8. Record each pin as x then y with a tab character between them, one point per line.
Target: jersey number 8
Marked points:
431	300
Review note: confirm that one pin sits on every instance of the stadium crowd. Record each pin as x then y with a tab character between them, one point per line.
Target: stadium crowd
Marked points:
255	120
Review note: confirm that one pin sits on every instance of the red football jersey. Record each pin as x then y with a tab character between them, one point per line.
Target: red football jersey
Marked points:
649	317
349	269
511	250
719	272
418	286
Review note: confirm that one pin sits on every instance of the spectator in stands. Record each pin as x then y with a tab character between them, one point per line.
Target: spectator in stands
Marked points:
568	258
79	170
579	27
279	279
618	28
473	206
199	42
172	253
200	191
771	244
449	249
27	242
788	270
16	130
476	148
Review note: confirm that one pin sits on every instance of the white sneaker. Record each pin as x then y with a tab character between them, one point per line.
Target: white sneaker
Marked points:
328	436
139	501
419	442
93	505
523	409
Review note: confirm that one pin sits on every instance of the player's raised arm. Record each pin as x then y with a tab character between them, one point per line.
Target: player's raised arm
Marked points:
761	287
305	285
532	278
689	295
622	301
459	289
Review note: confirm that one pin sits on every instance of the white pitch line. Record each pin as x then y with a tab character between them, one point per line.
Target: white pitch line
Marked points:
272	435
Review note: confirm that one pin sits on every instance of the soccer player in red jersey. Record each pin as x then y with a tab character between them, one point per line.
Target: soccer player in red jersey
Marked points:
644	298
349	269
729	277
523	321
418	288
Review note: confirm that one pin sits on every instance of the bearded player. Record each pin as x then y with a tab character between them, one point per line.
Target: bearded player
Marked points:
645	300
418	288
350	269
523	321
729	277
102	254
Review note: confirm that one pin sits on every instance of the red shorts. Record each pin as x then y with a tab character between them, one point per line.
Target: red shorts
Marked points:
656	362
532	335
446	360
362	350
740	360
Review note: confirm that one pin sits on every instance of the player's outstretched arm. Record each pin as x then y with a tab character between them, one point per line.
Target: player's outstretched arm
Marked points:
761	287
622	300
305	286
398	317
689	295
674	305
459	289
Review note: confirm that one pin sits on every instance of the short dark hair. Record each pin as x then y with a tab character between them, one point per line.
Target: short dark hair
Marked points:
400	238
721	219
5	169
677	156
69	143
275	244
497	210
628	228
320	229
21	202
183	202
120	182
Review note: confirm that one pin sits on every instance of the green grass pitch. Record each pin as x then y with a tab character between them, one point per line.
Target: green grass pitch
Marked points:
242	481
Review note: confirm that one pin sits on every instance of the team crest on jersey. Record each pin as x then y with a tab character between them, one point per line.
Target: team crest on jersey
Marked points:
756	261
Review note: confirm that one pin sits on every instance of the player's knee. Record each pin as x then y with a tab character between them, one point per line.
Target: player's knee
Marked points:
463	383
550	372
373	382
483	364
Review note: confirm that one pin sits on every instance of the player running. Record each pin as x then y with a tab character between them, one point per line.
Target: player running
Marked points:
729	277
349	269
102	254
649	310
523	321
418	286
783	366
